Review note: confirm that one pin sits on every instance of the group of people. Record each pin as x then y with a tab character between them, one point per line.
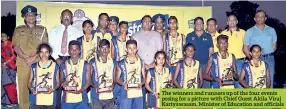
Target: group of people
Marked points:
111	69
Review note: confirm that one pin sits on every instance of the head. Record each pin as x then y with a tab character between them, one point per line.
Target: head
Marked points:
123	27
87	26
103	20
74	49
260	17
44	51
173	23
29	13
4	37
131	46
66	17
189	50
231	21
146	23
104	47
160	58
159	20
113	23
199	24
255	51
212	25
222	42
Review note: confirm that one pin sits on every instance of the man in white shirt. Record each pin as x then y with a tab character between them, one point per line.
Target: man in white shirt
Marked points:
59	39
61	35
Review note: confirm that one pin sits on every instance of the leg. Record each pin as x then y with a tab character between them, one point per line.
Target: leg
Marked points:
137	103
126	103
23	77
35	107
271	62
95	104
117	95
206	84
109	104
239	64
49	107
81	105
68	106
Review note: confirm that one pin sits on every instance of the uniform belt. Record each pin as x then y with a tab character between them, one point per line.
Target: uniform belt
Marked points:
64	57
266	55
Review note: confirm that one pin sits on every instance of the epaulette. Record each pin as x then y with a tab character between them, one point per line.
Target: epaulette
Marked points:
20	26
41	26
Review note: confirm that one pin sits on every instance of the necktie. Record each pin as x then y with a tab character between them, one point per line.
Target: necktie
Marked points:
64	47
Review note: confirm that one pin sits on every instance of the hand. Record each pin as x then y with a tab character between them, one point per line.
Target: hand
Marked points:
140	85
230	75
34	92
125	86
75	92
64	84
59	61
4	65
156	95
50	91
30	60
219	80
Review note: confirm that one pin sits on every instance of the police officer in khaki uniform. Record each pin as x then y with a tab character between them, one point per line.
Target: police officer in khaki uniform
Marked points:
25	41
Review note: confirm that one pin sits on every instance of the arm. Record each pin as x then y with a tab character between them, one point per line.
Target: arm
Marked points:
164	43
112	51
206	74
159	43
58	80
235	75
144	77
13	55
241	79
29	85
268	82
61	76
274	35
201	77
246	43
175	82
211	51
92	76
118	73
246	51
147	82
17	49
211	47
87	79
113	78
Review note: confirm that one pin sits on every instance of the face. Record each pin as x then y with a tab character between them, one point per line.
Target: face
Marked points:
44	54
66	18
232	21
173	24
123	29
87	28
222	44
260	18
74	51
146	24
256	53
199	25
112	26
190	52
4	37
30	18
211	26
160	60
104	50
159	24
131	49
103	21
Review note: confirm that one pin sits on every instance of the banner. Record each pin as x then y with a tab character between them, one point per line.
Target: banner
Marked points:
49	14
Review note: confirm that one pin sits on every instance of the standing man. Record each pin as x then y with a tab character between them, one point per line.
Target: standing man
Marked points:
25	41
235	39
113	25
212	30
60	37
159	20
264	36
101	31
203	43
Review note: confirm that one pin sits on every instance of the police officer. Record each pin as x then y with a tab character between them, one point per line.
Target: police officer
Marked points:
25	41
159	20
113	25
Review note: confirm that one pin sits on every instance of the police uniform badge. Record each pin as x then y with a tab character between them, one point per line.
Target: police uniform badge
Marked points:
193	38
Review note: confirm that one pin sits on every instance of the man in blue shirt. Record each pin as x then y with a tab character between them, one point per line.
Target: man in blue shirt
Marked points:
265	36
203	43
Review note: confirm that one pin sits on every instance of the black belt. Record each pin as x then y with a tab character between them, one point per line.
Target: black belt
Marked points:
64	57
266	55
241	59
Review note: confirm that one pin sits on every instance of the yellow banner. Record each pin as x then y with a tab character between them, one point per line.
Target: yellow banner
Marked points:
49	14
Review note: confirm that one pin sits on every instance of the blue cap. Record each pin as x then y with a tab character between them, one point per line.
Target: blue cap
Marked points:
158	16
27	9
114	18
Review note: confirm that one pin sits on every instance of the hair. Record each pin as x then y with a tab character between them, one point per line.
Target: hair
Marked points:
66	10
131	42
44	45
101	14
212	19
87	22
158	53
123	22
253	46
4	34
261	11
175	18
189	45
198	18
232	14
146	16
74	42
224	37
104	42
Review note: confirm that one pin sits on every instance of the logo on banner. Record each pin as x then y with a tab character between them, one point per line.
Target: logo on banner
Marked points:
38	18
78	18
191	23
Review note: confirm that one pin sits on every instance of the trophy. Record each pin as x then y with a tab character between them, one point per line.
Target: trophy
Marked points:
226	80
102	88
72	80
42	86
134	80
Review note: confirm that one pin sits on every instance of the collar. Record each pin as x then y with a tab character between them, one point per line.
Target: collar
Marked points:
83	38
266	26
107	31
44	66
194	63
227	55
63	26
237	29
252	63
127	60
169	33
70	62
